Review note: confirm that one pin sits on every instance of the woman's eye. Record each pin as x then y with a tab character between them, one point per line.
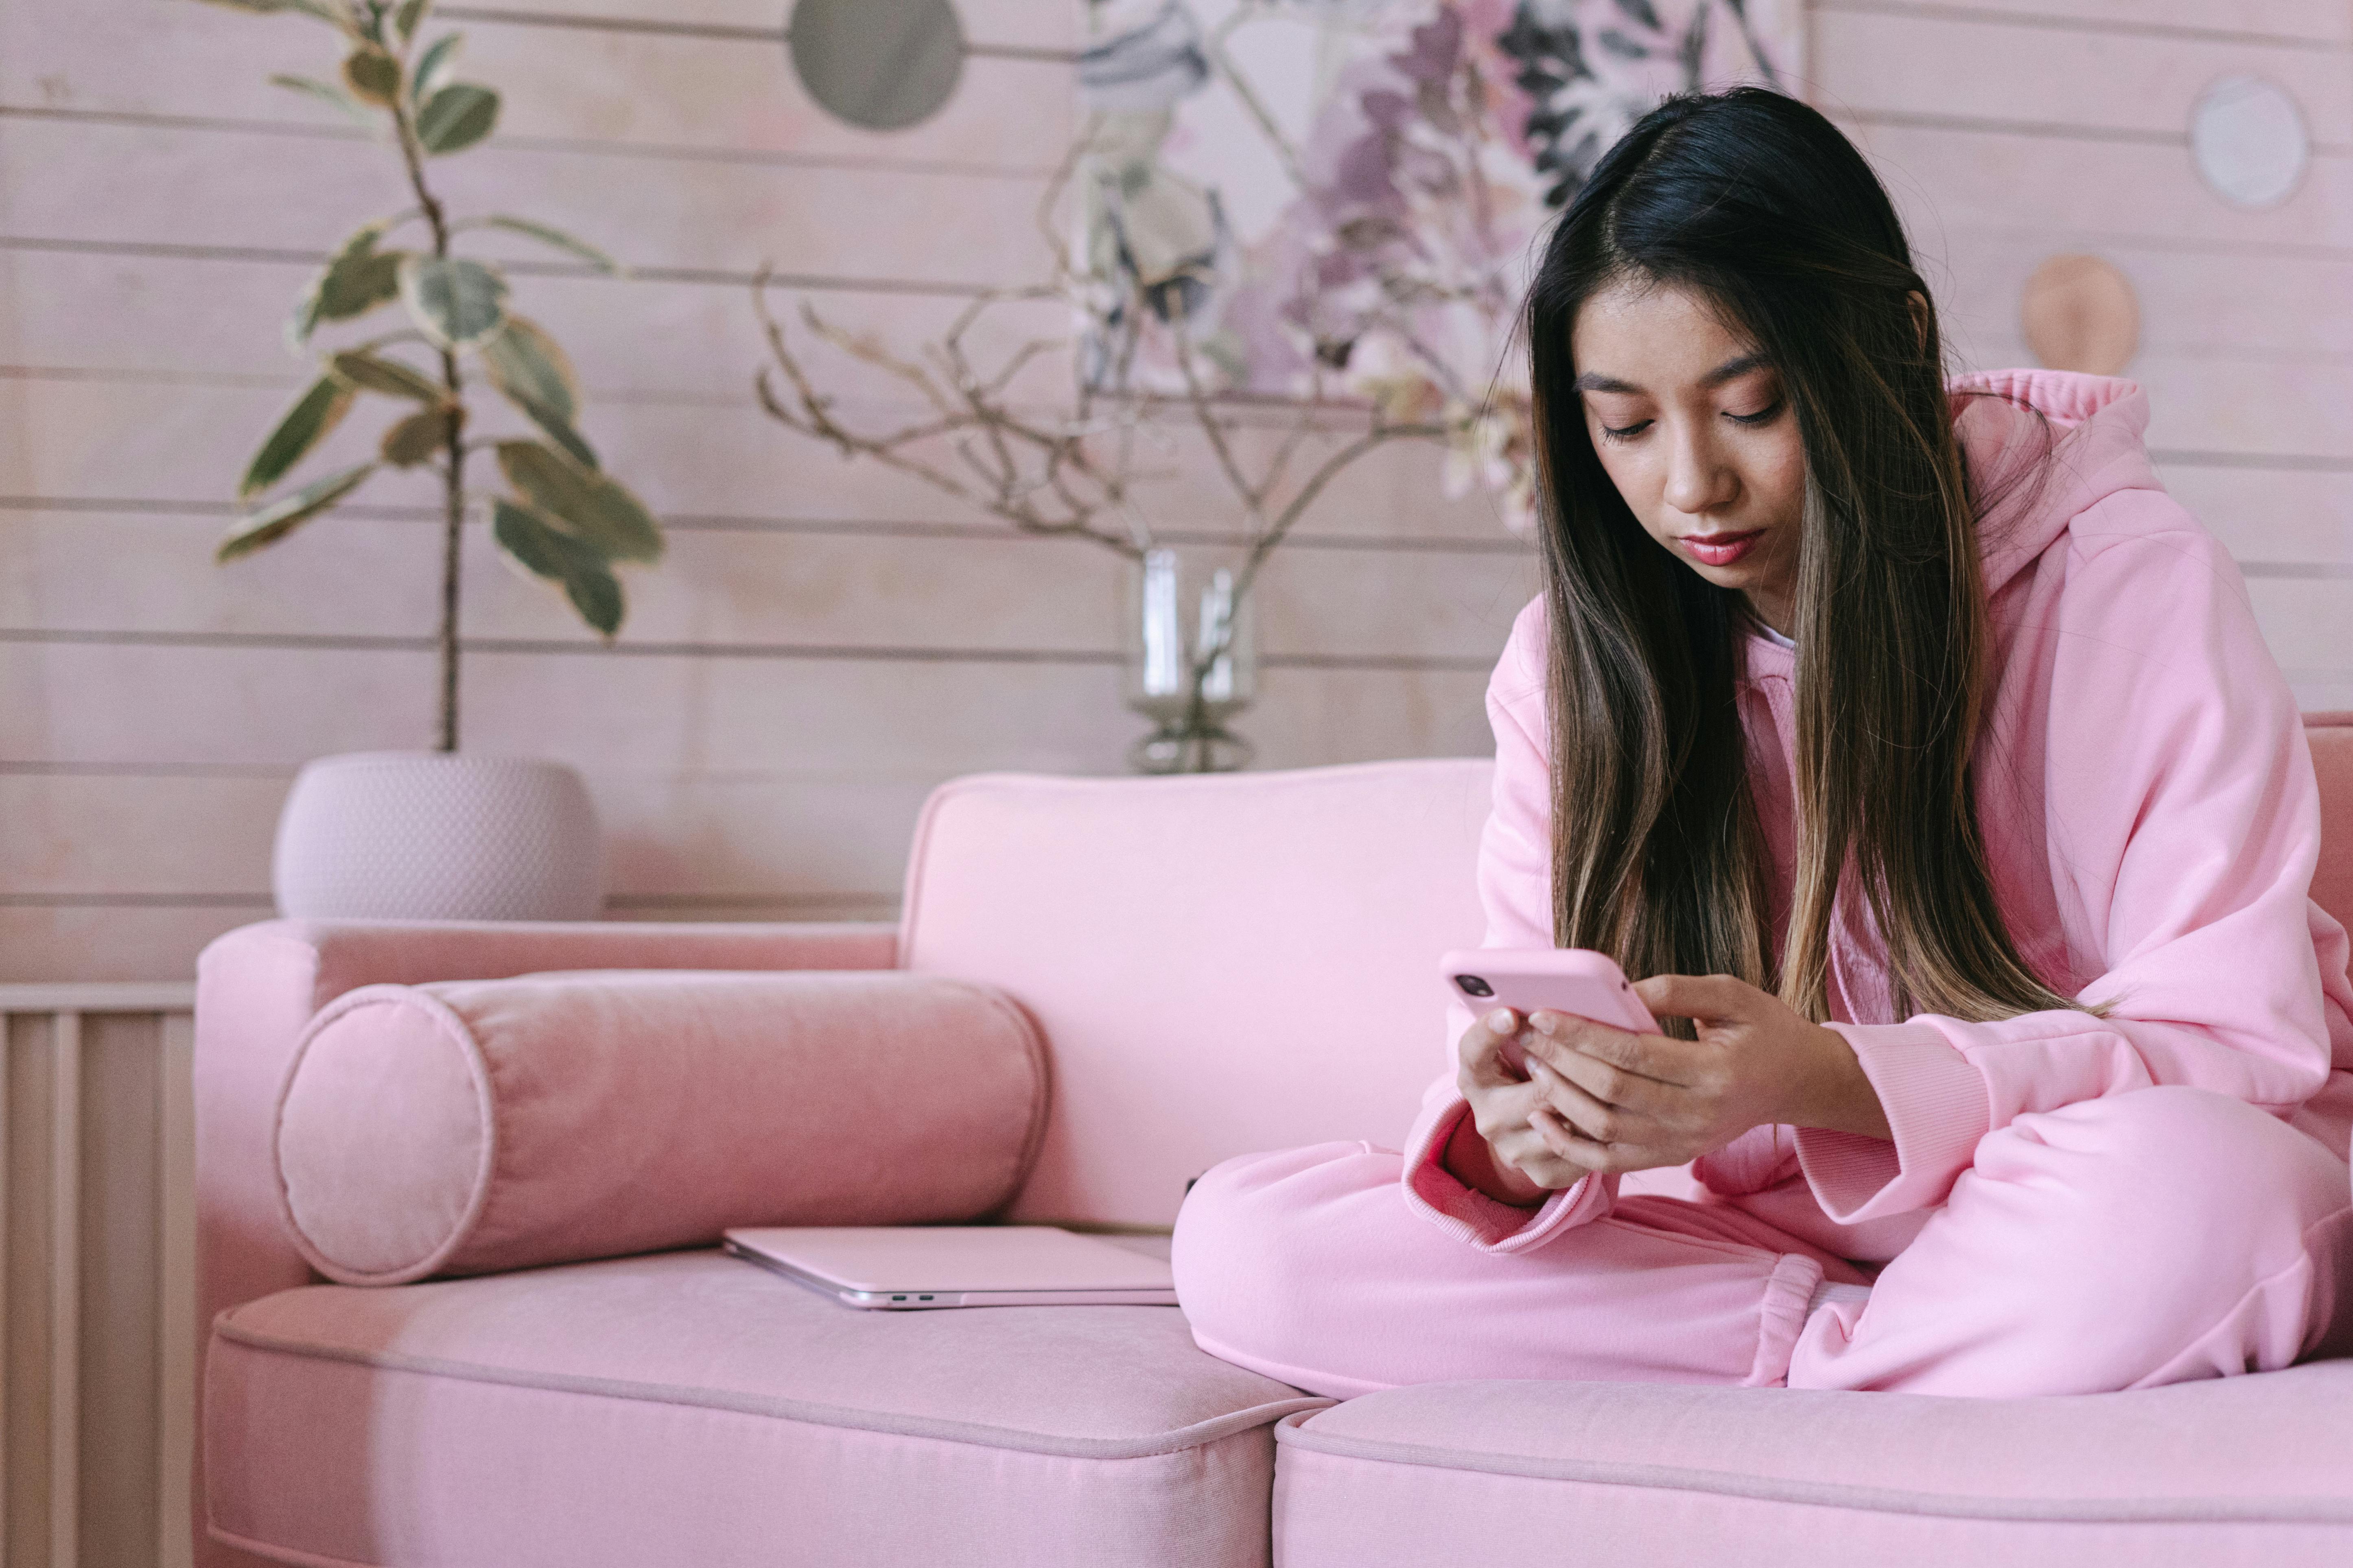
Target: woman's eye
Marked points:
1628	433
1762	417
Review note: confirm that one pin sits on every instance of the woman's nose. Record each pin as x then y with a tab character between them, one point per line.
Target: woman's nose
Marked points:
1698	480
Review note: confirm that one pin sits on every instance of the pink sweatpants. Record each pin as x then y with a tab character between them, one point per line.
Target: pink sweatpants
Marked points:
2145	1239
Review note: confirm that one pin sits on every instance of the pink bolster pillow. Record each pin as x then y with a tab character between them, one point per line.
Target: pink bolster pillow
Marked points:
474	1126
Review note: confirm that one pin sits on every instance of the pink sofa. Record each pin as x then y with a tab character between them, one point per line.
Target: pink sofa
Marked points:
1217	966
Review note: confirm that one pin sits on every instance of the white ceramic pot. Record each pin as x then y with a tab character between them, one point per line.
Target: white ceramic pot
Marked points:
428	836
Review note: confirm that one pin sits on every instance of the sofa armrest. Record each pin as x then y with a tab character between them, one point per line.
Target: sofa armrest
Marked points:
258	987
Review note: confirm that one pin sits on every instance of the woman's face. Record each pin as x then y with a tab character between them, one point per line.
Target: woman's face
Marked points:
1693	428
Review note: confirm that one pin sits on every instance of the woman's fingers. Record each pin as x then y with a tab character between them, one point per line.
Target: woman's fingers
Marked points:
1532	1154
1480	1049
1709	998
1601	1122
1604	1081
1558	1039
1571	1148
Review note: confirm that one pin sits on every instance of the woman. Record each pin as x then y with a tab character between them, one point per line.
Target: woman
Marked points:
1926	757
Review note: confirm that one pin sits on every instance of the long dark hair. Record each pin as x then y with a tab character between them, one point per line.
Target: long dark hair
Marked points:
1758	204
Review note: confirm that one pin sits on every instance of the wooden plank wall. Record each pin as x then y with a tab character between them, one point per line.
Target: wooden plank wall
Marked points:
2015	129
825	642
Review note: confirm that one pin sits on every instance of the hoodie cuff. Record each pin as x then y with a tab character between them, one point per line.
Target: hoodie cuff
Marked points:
1936	1113
1462	1211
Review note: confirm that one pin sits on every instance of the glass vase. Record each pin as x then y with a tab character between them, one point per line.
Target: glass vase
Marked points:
1192	664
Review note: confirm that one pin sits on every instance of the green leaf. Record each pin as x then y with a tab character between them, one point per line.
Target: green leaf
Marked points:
551	237
343	103
433	65
280	518
372	75
560	431
405	20
598	508
456	117
356	281
416	438
319	410
373	372
528	368
459	304
537	545
528	365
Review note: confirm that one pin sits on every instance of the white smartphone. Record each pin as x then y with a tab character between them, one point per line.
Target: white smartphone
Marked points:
1571	980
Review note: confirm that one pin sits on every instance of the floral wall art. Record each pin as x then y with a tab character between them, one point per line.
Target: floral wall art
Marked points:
1339	196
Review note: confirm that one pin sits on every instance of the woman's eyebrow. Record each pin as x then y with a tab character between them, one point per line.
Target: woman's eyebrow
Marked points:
1730	370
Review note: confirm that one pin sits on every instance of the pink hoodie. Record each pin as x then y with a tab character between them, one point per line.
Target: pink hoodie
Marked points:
2150	815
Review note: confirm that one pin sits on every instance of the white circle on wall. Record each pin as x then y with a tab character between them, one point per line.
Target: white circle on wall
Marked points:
2247	138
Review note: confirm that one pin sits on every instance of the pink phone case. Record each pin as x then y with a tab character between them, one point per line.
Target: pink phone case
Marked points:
1563	980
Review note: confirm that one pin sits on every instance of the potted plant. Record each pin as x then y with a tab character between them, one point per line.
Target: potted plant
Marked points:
434	833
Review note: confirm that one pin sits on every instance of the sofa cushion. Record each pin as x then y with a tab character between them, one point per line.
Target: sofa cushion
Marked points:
688	1408
1222	963
2252	1469
469	1126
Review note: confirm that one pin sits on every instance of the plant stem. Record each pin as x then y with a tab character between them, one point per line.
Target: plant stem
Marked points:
453	472
453	527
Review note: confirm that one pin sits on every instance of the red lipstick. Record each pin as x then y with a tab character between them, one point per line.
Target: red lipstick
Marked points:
1721	548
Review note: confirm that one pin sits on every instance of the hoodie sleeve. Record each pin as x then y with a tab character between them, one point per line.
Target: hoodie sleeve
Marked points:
1516	890
2182	821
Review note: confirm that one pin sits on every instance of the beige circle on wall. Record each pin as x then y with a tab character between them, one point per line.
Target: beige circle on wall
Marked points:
2080	313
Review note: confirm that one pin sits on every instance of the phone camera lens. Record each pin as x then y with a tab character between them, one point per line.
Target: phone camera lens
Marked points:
1474	986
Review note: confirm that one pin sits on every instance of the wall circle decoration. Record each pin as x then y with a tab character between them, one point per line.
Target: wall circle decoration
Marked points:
883	65
2247	138
2079	312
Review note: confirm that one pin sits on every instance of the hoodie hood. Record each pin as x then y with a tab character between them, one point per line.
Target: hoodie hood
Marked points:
2045	446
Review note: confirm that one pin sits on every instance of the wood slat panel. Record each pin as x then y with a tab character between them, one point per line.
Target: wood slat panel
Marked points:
66	1347
784	838
246	707
2321	691
2277	307
1938	64
26	1359
86	944
2261	407
146	574
120	1327
175	318
936	721
2309	624
2323	21
1955	180
2269	516
120	183
137	835
278	707
604	88
176	1290
1050	25
110	441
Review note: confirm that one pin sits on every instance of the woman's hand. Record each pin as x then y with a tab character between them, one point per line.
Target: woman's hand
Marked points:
1495	1150
1620	1101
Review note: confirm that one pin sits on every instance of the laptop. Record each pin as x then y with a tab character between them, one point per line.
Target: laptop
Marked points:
922	1268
